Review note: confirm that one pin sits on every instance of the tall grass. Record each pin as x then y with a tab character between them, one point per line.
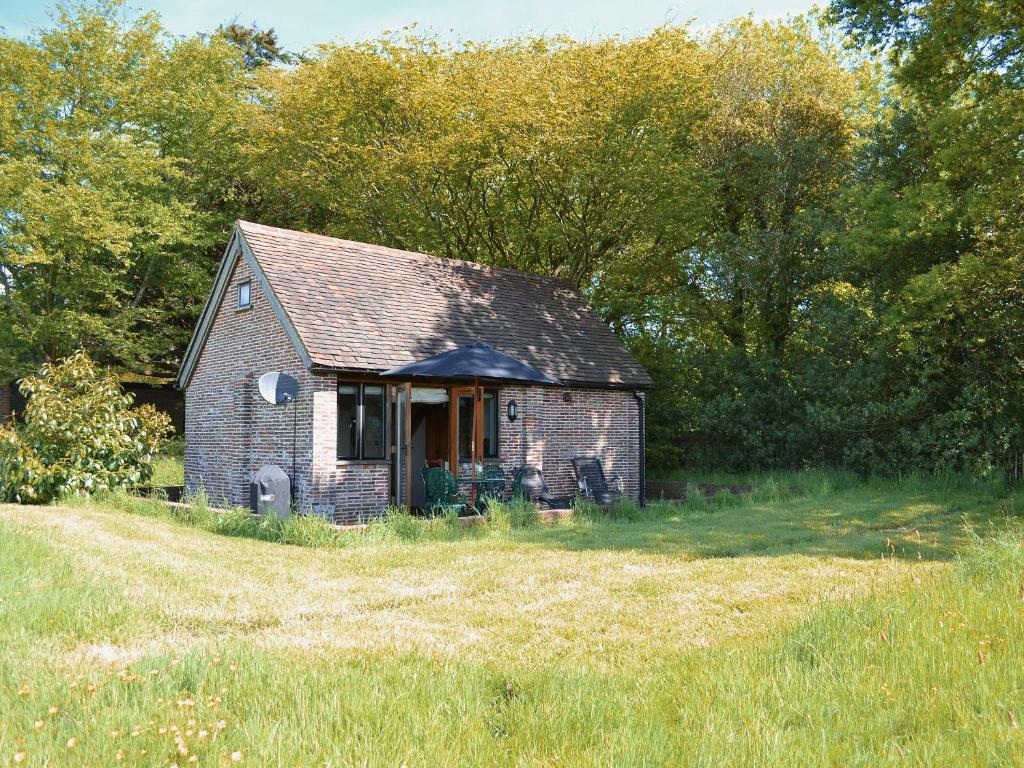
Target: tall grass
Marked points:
169	465
823	482
195	511
394	524
510	515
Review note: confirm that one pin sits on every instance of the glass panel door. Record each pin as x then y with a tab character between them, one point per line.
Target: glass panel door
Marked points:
464	432
463	445
400	444
467	425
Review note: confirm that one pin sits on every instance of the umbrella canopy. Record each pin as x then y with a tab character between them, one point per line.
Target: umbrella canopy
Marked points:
473	361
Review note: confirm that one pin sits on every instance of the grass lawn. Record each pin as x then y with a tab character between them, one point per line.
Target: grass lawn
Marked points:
832	626
169	466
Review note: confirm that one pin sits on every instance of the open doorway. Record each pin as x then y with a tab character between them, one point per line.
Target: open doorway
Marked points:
430	436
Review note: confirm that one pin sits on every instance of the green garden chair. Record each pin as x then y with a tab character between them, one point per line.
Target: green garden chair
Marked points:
442	492
492	485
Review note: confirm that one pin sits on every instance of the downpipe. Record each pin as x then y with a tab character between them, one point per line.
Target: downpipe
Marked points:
642	439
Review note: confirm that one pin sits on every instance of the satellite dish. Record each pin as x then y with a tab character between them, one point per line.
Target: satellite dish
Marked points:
278	388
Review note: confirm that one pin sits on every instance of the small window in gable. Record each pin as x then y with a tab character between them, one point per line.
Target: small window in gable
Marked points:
244	294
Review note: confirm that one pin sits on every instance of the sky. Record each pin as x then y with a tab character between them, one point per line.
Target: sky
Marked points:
302	23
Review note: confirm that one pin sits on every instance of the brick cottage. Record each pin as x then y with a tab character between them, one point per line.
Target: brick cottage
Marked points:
335	314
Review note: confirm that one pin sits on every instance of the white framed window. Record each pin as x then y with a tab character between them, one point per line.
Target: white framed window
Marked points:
245	295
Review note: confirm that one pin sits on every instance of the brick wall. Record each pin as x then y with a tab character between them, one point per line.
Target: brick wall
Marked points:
230	431
349	491
550	432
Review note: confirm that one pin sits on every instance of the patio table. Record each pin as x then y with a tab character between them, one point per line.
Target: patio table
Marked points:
474	483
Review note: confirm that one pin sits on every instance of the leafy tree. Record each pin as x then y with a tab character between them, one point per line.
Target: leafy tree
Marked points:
938	234
80	435
259	47
779	144
117	159
543	154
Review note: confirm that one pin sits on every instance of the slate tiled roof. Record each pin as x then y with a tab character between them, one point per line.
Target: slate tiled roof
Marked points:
359	307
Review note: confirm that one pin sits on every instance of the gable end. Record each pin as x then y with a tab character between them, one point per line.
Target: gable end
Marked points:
237	249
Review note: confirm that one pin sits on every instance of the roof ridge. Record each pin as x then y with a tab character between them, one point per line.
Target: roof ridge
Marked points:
270	229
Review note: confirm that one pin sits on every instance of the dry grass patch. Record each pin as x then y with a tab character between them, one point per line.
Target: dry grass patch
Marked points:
575	591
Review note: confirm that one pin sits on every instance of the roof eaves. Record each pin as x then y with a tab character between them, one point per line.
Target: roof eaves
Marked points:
644	384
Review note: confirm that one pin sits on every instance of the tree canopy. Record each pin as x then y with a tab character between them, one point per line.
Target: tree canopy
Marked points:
118	158
812	241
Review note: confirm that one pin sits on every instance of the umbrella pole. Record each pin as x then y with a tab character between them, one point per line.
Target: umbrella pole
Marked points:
472	442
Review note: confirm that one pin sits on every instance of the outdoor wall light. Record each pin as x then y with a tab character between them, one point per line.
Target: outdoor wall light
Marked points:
513	410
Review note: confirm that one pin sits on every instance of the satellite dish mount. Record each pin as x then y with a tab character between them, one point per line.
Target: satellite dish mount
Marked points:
281	389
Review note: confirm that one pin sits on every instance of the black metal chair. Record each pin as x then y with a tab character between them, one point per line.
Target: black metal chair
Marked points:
529	483
593	483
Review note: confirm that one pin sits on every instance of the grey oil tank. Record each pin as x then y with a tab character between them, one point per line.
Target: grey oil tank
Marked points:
270	492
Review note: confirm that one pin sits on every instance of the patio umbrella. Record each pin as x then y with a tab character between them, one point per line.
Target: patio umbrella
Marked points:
473	361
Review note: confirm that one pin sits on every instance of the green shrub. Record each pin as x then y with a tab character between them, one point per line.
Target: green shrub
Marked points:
80	435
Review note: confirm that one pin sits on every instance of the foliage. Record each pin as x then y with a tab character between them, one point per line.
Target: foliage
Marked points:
814	249
937	238
725	339
543	154
80	435
259	47
119	151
